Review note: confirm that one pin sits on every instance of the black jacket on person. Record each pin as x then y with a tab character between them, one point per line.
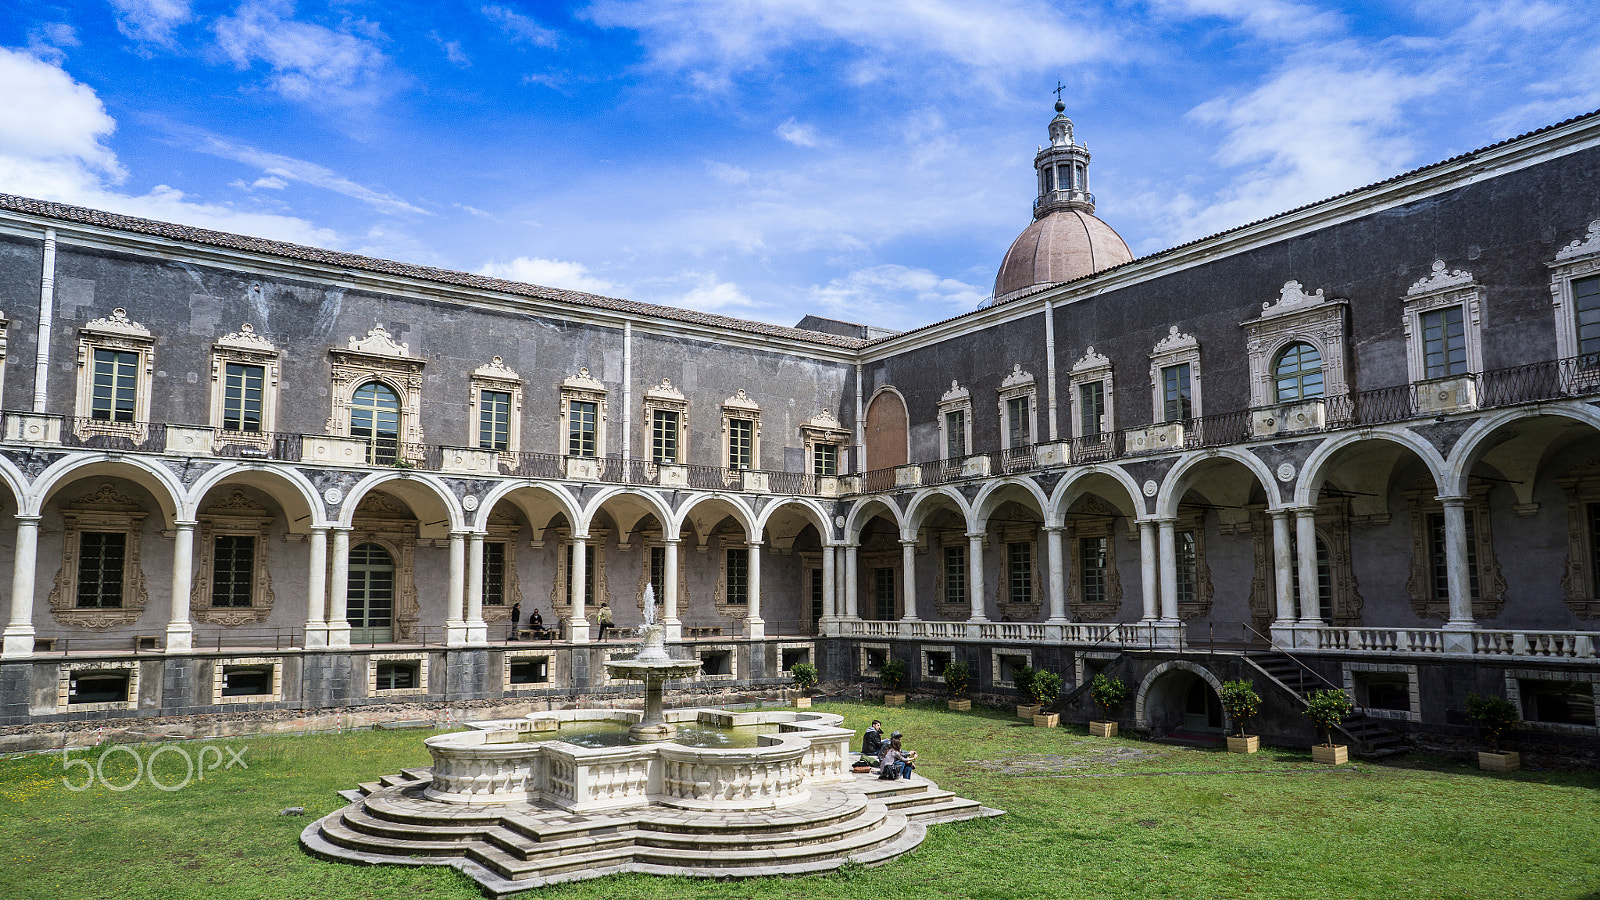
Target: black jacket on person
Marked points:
872	742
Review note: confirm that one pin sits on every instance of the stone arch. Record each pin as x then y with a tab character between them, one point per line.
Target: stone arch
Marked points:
1073	485
426	494
515	491
922	505
810	509
1141	711
1475	441
157	479
731	503
648	500
14	481
1314	472
994	493
888	430
863	512
292	491
1182	477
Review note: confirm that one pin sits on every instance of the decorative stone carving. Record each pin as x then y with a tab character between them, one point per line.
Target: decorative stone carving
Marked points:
245	347
378	358
1296	317
236	515
115	332
495	375
581	388
502	529
956	400
1430	600
1439	279
1092	367
824	429
1440	290
1018	385
1579	259
378	519
1177	348
666	398
1580	583
1092	519
1333	521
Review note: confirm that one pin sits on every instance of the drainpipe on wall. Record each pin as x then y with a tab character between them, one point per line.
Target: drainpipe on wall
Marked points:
47	293
861	428
627	391
1050	364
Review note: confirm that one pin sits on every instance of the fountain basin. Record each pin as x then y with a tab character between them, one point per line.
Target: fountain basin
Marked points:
495	763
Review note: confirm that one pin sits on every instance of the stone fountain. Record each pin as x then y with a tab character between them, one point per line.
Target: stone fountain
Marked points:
654	667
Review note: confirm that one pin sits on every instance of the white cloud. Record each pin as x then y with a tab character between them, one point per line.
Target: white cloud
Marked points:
152	21
1274	19
52	147
708	293
284	169
798	134
452	51
712	39
269	183
48	41
309	63
520	27
727	174
896	296
556	273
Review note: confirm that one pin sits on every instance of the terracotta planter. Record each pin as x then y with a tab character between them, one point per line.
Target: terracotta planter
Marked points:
1510	761
802	703
1250	743
1103	729
1028	712
1047	720
894	699
1334	755
959	705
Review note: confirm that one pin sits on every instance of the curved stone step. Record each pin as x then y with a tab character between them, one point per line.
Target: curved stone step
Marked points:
867	817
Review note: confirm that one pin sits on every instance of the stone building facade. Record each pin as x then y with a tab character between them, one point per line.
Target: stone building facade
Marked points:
1351	444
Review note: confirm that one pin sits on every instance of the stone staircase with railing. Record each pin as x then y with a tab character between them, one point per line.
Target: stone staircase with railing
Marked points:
1369	739
515	847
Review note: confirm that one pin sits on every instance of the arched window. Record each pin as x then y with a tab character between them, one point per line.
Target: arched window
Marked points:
375	418
1297	375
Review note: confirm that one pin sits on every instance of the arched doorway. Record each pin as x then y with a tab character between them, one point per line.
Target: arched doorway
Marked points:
887	431
370	604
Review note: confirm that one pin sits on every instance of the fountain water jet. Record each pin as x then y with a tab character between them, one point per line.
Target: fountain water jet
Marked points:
653	666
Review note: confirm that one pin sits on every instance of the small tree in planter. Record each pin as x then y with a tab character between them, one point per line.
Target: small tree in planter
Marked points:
1108	694
1022	680
1242	702
1496	716
1045	688
956	676
805	678
893	675
1327	710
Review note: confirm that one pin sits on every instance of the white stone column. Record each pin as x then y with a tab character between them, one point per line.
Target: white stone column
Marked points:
852	591
1169	570
1284	572
1058	575
455	617
339	592
19	634
477	629
671	624
180	633
317	591
1149	571
830	603
578	622
1458	577
754	626
975	573
1305	546
908	562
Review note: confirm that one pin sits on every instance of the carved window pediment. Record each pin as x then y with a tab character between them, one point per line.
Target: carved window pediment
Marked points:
1092	369
494	409
244	348
583	415
667	435
955	422
1426	588
236	516
104	512
1579	259
377	358
1441	290
122	353
1091	528
1297	317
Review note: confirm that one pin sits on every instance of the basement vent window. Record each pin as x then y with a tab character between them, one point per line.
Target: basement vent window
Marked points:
1008	667
397	676
99	687
792	658
716	662
1383	691
1558	702
531	671
936	664
246	681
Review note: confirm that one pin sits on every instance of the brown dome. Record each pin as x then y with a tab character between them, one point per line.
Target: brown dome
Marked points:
1066	244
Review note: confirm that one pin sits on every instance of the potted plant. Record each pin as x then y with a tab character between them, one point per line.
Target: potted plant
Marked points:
1045	687
1242	702
1022	680
1496	716
805	679
1327	709
956	674
893	675
1108	694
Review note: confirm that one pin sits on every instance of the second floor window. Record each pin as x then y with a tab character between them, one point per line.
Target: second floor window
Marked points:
1188	565
581	429
233	568
1586	300
955	434
1444	343
1018	419
375	417
242	392
955	576
1020	557
1439	560
658	572
494	573
1092	569
664	436
1176	393
738	575
1298	373
494	420
741	443
825	459
115	385
1092	403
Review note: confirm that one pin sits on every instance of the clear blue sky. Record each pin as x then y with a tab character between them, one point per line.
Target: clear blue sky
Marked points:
863	159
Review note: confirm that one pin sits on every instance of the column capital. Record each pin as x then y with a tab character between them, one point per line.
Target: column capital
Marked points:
26	520
184	524
908	542
1282	512
977	536
671	540
1055	529
1453	501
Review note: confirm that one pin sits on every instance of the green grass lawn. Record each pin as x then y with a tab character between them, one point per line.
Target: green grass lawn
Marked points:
1086	817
